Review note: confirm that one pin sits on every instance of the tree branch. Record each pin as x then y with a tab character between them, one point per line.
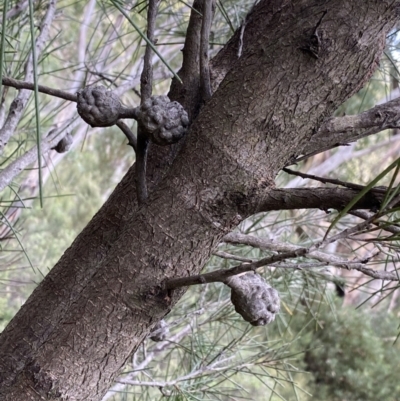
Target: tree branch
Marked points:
204	47
132	141
151	354
319	198
324	180
338	131
288	251
146	89
29	157
15	83
383	225
19	103
129	270
17	9
80	75
332	260
187	92
146	78
222	274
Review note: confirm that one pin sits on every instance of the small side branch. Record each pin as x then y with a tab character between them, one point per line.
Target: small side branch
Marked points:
314	253
29	157
338	131
132	141
146	78
319	198
146	89
287	251
333	181
204	46
15	83
223	274
383	225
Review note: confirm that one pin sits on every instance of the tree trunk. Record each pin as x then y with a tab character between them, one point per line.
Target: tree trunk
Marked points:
299	61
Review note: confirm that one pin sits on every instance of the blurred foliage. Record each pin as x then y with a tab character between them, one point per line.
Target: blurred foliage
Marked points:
352	356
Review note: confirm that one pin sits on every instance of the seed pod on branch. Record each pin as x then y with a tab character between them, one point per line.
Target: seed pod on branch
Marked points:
255	300
99	107
164	122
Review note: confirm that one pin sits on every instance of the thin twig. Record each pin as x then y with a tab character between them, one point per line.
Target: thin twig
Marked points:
325	180
152	353
215	369
383	225
332	260
14	168
146	78
295	252
15	83
146	89
222	274
132	141
208	6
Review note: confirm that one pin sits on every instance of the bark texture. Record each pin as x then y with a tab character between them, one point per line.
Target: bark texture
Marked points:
103	297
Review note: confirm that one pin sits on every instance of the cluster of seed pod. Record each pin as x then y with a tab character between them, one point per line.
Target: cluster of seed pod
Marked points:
162	121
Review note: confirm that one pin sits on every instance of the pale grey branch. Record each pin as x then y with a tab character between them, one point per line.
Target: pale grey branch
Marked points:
226	255
15	83
332	260
19	103
29	157
337	131
392	228
17	9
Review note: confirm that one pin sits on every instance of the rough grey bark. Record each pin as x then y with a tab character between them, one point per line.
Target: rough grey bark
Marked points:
104	296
